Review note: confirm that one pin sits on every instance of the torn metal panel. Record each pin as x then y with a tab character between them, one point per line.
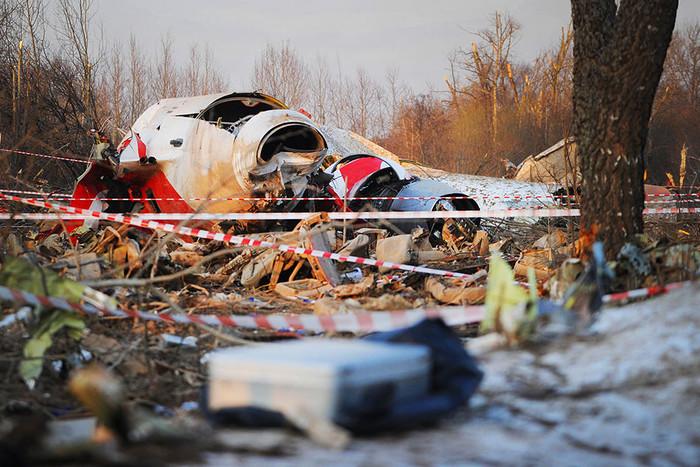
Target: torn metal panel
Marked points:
555	165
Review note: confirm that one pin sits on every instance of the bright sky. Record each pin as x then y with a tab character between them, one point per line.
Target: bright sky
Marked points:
414	37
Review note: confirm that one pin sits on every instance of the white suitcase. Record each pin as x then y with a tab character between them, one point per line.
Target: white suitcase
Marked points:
317	377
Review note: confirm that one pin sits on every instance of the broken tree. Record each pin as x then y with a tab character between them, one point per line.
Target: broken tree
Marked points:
619	54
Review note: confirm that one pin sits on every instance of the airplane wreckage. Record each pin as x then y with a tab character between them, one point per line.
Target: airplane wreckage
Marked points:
247	152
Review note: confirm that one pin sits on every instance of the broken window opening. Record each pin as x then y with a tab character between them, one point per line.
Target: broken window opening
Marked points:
232	110
292	137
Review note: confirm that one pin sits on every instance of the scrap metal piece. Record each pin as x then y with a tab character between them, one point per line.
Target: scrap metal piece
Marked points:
454	292
539	260
261	266
555	165
316	237
308	288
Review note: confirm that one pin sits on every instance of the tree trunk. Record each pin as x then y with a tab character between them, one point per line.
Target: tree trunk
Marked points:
618	59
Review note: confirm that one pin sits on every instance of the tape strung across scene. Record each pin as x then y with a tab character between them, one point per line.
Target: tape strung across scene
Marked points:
675	197
305	198
238	240
40	194
339	322
46	156
351	216
245	241
645	292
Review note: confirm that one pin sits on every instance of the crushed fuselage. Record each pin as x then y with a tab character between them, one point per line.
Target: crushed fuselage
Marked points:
245	152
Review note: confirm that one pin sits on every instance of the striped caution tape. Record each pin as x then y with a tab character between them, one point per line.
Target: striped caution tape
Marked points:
272	216
348	216
539	208
340	322
235	239
677	197
361	322
643	293
46	156
40	194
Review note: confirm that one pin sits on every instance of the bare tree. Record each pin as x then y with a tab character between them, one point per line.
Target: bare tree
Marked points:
365	99
396	95
34	14
487	64
34	22
192	79
138	79
200	76
557	73
208	71
280	72
321	91
75	17
166	77
341	100
212	80
115	83
684	62
619	54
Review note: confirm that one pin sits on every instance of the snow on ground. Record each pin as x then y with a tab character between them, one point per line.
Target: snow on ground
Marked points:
491	192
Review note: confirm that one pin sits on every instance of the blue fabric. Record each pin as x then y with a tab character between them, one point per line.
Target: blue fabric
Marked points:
455	377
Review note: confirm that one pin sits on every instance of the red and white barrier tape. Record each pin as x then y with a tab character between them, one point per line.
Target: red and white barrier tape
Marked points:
46	196
42	195
235	239
339	322
271	216
642	293
351	216
39	194
181	216
46	156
